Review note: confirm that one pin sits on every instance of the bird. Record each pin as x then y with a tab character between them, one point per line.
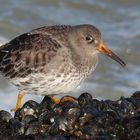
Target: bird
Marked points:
52	60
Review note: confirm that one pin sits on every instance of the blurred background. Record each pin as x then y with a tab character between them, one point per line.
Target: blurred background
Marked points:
119	22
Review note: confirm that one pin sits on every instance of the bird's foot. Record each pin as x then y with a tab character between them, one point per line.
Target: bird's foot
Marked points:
54	99
63	99
68	98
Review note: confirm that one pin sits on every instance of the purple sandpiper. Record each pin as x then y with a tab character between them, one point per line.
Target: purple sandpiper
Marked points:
53	59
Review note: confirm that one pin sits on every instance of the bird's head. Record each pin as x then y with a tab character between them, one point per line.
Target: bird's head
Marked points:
87	39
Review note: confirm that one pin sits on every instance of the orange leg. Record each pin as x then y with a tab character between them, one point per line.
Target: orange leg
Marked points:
63	99
68	98
19	98
55	100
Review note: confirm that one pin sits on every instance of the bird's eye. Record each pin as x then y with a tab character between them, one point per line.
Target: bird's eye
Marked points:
89	39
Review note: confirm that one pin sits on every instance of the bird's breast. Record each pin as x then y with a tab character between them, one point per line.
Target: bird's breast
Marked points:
88	65
55	80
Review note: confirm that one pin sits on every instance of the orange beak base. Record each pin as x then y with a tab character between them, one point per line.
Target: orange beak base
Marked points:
103	49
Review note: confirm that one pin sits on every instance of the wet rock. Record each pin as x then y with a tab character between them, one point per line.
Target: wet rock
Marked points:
16	126
35	128
27	119
66	105
29	108
85	99
5	116
136	95
71	118
47	118
46	104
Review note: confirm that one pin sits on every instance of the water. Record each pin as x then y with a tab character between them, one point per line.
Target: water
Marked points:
119	22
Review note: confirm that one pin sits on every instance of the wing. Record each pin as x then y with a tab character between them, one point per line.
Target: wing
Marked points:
26	54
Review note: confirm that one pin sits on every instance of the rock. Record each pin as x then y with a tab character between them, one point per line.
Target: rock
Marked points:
81	118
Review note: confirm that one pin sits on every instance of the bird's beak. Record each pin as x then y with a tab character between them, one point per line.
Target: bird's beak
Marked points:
103	49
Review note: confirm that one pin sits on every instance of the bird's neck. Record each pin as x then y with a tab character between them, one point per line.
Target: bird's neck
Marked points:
90	63
85	64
